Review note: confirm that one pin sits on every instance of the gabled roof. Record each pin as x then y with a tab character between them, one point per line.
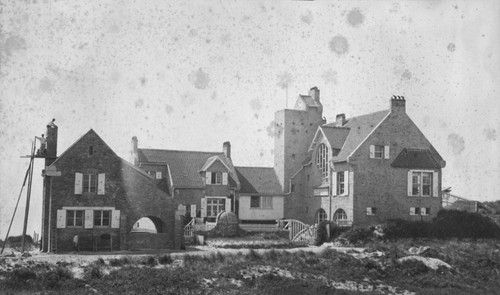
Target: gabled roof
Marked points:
415	159
258	181
185	166
211	160
336	136
359	129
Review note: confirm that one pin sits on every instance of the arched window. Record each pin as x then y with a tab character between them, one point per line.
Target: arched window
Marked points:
320	216
322	160
339	215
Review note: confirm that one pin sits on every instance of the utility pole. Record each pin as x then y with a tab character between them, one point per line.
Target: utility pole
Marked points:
30	179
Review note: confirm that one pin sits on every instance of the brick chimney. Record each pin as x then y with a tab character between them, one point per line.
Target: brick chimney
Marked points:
314	93
398	104
51	149
134	154
340	120
226	148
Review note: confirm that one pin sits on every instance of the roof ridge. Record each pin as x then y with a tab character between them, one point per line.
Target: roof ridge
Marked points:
181	151
253	167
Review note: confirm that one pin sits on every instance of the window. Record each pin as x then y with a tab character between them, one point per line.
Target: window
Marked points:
340	183
102	217
89	183
322	161
158	175
261	202
91	150
215	206
415	210
74	218
379	152
320	216
425	211
421	184
254	202
371	211
340	217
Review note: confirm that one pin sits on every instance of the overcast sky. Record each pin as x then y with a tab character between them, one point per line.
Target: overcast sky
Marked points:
193	74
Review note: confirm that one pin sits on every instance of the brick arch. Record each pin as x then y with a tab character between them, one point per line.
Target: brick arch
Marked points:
159	224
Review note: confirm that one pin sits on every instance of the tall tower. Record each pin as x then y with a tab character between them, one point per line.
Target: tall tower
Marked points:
50	157
293	132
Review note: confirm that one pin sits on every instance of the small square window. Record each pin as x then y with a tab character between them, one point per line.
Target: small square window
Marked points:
254	202
158	175
371	211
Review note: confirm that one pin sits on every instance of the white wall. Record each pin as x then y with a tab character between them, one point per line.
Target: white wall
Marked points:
247	213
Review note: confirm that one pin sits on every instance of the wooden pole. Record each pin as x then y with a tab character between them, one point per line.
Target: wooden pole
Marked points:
26	212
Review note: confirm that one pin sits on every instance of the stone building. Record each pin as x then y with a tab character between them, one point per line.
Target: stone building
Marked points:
356	171
92	193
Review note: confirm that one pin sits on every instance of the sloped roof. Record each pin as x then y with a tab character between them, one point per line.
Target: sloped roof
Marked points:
185	165
259	181
309	101
210	161
336	136
359	129
415	159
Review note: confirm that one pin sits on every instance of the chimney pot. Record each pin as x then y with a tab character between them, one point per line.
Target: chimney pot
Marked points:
226	148
340	120
398	103
134	152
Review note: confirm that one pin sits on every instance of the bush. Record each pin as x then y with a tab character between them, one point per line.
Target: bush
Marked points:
447	224
460	224
165	259
357	235
322	234
23	274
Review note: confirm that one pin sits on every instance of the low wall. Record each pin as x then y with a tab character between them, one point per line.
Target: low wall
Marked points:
142	240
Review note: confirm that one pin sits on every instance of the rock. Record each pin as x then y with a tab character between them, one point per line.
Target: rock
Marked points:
432	263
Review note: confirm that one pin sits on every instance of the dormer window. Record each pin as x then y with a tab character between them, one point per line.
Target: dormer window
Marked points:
216	178
322	160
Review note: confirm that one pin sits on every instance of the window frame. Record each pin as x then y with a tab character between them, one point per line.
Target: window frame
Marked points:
99	215
340	184
320	216
417	183
158	175
371	211
88	180
216	178
209	206
264	202
381	151
74	218
322	161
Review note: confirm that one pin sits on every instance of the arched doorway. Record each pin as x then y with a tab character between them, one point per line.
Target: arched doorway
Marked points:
320	216
148	224
340	217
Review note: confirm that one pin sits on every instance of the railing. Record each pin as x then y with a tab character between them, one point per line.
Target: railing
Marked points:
189	229
298	231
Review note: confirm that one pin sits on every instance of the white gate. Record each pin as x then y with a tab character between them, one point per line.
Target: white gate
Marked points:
299	231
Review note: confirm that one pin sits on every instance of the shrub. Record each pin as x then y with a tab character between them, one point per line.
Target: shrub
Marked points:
357	235
399	228
23	274
322	233
149	260
93	271
460	224
165	259
119	261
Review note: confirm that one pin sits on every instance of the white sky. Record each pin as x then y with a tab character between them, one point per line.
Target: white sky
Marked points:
193	75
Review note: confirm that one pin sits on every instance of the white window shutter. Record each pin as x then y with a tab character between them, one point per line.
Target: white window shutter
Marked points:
346	183
89	218
387	153
78	183
410	179
208	179
224	178
334	183
193	210
101	183
203	208
372	151
412	210
228	204
115	219
61	219
435	184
